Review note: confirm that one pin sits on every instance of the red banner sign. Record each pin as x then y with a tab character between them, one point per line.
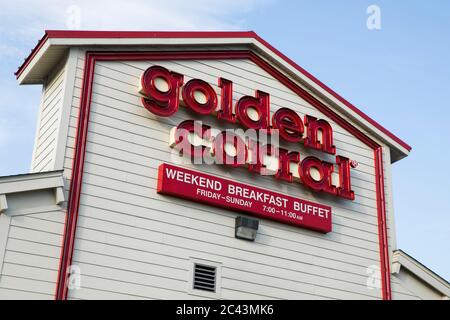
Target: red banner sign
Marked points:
200	187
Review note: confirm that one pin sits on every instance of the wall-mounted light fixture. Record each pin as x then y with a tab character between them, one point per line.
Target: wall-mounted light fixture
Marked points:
246	228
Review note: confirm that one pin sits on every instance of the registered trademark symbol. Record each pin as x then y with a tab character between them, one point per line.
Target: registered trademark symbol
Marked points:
353	163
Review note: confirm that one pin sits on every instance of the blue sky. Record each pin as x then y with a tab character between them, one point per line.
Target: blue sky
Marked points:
399	75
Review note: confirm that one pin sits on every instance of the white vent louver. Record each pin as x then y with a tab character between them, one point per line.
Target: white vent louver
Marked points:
204	278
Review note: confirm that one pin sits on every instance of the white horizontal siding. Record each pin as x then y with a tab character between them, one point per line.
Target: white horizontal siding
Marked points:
400	292
17	294
132	242
31	259
49	121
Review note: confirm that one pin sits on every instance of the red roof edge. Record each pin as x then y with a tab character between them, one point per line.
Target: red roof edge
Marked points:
129	34
201	34
148	34
31	55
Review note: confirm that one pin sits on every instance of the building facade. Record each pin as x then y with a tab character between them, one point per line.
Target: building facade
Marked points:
136	191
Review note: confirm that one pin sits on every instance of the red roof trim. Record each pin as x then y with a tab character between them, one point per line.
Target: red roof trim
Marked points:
149	34
203	34
58	34
31	56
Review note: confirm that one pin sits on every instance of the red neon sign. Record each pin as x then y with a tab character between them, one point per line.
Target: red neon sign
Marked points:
165	103
311	132
200	187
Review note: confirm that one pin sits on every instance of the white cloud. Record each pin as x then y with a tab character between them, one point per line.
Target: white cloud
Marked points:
23	21
29	17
